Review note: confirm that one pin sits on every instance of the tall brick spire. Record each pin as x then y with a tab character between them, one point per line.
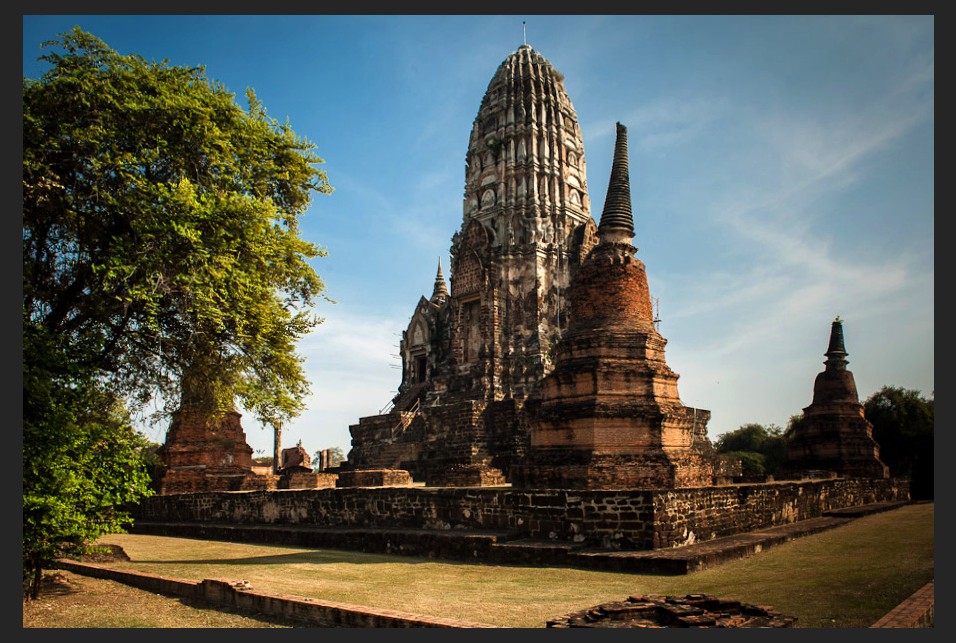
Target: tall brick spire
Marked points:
441	290
617	223
836	352
609	415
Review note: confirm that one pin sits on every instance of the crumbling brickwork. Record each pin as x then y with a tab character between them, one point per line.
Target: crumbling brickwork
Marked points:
610	415
203	453
689	611
374	478
614	519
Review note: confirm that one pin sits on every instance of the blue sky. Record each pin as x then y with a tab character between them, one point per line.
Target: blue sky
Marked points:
781	171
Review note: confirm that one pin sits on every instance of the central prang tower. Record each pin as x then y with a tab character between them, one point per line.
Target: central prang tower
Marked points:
474	355
525	197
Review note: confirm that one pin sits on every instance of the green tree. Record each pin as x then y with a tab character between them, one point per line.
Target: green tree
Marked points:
160	232
161	260
903	425
82	461
762	449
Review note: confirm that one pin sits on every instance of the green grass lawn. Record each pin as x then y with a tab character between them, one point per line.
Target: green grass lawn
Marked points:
847	577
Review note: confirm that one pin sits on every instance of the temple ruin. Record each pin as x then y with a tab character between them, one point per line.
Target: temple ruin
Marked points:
610	416
204	451
537	419
833	437
475	358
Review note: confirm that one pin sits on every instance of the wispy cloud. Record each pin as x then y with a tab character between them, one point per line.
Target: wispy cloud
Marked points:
351	360
671	122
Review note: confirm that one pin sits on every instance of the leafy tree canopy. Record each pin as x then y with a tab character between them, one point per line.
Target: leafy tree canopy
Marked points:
767	442
749	437
161	259
161	243
903	426
82	460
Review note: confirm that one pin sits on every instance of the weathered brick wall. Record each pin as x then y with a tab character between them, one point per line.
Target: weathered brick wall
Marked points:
508	428
385	441
633	519
307	480
373	478
194	439
693	515
176	481
610	290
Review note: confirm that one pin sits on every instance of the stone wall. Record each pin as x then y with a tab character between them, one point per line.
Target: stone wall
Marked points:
373	478
693	515
631	519
307	480
919	610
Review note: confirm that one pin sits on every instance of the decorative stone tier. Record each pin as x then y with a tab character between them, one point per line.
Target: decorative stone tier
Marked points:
199	479
578	469
692	610
610	291
307	480
473	476
374	478
195	439
841	442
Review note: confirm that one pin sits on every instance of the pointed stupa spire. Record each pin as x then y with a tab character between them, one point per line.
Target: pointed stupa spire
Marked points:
836	351
617	223
441	290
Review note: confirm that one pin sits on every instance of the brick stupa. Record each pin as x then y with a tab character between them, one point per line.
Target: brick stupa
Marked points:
203	452
833	434
610	414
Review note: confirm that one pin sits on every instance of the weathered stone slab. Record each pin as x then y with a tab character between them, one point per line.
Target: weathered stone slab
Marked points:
374	478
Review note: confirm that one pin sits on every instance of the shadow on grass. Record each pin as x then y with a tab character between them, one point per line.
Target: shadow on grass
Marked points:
331	557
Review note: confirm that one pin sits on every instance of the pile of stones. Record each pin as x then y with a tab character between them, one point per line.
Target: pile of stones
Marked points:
692	610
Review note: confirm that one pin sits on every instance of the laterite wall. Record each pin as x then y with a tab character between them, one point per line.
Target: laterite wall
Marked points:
636	519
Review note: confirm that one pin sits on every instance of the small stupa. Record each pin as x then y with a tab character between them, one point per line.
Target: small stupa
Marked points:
833	435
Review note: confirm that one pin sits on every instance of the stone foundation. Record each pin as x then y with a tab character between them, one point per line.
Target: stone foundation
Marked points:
199	479
471	476
374	478
578	469
307	480
615	520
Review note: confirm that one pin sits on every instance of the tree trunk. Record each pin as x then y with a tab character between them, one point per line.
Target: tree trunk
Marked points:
277	449
35	586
